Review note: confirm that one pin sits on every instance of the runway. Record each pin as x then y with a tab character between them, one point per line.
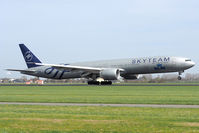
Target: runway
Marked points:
102	105
123	84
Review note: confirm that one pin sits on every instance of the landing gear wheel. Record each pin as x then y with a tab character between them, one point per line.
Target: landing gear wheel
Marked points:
106	83
180	73
99	83
93	83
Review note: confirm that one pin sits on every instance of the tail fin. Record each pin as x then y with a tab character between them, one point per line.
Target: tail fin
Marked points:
29	57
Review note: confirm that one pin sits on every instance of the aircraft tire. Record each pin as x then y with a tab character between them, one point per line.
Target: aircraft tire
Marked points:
106	83
93	83
99	83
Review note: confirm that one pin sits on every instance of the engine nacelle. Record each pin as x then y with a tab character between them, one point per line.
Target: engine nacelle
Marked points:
110	74
130	77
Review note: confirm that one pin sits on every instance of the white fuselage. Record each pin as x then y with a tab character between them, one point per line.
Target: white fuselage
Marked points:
160	64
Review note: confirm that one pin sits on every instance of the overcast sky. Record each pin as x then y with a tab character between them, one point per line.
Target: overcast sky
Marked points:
65	31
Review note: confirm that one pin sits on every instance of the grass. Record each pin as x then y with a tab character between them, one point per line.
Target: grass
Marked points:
102	94
56	119
72	119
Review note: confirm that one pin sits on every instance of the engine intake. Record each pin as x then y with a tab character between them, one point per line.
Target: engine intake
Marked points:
110	74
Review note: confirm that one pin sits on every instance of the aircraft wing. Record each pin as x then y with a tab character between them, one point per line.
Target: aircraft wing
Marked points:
71	67
22	71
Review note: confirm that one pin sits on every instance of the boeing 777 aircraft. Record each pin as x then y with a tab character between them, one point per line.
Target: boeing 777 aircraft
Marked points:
103	72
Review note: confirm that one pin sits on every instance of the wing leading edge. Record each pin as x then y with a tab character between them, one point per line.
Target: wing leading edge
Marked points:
70	67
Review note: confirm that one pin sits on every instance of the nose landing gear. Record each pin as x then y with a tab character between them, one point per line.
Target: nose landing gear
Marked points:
179	77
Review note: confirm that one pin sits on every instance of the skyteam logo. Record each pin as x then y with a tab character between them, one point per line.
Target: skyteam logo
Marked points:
28	56
159	67
151	60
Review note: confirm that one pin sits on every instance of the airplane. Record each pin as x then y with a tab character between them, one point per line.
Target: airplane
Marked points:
104	72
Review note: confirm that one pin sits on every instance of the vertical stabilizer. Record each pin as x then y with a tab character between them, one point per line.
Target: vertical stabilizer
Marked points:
29	57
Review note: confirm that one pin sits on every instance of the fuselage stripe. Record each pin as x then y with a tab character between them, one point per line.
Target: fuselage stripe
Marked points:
62	74
56	74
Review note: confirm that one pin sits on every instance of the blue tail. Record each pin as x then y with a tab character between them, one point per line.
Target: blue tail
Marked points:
29	57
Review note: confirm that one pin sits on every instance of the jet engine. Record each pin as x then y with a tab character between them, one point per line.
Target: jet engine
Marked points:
110	74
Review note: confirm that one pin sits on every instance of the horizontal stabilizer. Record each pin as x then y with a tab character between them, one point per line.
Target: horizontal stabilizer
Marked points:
22	71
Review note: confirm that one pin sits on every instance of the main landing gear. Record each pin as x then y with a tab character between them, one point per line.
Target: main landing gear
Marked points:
99	81
93	82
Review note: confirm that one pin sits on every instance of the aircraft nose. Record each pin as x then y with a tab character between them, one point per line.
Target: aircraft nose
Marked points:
191	64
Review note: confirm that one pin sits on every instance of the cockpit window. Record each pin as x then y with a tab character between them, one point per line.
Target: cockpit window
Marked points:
188	60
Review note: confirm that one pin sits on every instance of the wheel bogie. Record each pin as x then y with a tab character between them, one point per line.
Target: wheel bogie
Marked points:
99	83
